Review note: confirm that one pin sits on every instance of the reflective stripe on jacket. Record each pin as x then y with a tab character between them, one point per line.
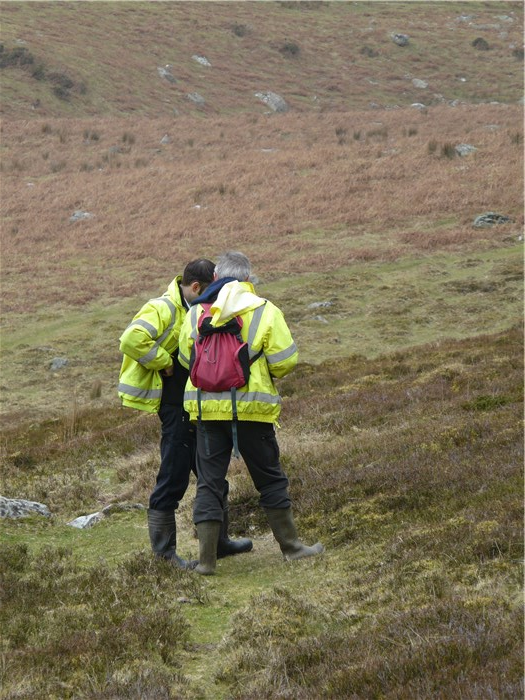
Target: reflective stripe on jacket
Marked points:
263	328
148	344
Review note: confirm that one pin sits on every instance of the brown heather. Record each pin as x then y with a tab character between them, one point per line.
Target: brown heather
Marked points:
259	186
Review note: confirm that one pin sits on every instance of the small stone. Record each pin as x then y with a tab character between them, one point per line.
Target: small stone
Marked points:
196	98
58	363
465	149
400	39
273	100
320	305
202	60
79	215
85	521
490	218
20	508
166	73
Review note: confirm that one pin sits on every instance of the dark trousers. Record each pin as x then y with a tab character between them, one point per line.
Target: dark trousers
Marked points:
177	458
260	451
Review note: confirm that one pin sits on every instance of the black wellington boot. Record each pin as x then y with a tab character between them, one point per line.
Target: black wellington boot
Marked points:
227	547
163	538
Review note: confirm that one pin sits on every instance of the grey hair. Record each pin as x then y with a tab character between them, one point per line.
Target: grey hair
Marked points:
233	264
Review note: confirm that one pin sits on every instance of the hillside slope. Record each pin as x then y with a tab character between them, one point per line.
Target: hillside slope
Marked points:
401	431
101	58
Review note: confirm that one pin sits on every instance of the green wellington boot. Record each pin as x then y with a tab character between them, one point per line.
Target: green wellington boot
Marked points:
208	532
283	527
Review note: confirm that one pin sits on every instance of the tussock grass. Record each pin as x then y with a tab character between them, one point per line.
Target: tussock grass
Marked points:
69	632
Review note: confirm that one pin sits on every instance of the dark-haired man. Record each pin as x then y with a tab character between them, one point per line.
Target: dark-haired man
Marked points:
151	379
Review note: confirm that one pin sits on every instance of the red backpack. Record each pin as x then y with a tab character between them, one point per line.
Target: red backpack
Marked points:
220	361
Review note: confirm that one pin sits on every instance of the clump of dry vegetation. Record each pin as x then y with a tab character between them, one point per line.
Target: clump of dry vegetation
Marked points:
102	633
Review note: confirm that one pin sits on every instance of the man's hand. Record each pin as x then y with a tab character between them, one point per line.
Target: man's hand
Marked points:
167	371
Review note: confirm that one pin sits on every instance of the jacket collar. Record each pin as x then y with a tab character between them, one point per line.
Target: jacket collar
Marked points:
210	293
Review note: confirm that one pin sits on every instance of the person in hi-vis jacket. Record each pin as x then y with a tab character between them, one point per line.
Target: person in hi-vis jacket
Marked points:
258	406
151	379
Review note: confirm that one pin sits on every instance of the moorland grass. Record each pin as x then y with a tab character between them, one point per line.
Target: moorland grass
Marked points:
340	56
402	221
403	446
407	472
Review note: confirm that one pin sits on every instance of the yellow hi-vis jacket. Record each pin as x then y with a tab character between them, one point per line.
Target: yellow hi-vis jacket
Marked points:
148	344
264	328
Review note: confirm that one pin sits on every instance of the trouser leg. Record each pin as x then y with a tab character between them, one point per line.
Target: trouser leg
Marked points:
212	468
177	453
260	451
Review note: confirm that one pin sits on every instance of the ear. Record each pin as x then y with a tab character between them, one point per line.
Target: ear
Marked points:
195	287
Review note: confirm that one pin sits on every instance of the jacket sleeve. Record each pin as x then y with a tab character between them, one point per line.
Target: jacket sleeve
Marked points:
280	349
185	340
141	339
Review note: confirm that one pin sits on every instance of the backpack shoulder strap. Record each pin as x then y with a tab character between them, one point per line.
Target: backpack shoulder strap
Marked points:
252	332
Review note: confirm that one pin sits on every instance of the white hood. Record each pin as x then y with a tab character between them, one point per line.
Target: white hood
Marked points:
233	299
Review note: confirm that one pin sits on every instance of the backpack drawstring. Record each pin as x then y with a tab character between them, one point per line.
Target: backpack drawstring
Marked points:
201	424
236	453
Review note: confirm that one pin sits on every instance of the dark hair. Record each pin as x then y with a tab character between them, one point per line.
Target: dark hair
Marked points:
201	270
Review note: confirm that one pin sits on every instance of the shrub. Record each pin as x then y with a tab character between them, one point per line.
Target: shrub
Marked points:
70	629
61	92
380	133
448	150
57	166
38	72
90	135
290	48
240	29
480	44
17	57
367	51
